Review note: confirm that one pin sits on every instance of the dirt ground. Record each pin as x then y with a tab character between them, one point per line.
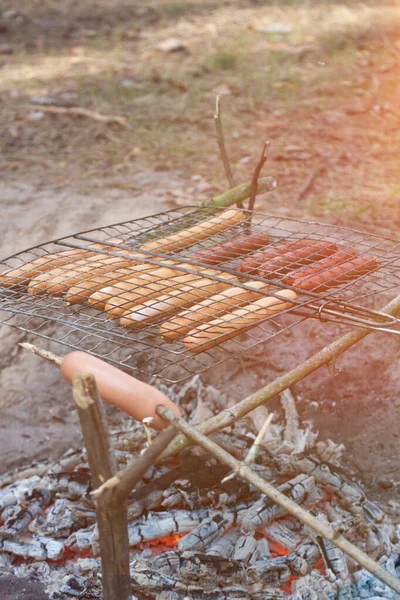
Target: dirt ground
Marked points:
319	80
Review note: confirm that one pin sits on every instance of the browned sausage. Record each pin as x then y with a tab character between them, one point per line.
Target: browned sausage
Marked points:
231	249
207	310
254	262
332	271
280	265
201	231
116	387
217	331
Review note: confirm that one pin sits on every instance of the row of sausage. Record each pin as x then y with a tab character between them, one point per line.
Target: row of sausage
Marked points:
209	310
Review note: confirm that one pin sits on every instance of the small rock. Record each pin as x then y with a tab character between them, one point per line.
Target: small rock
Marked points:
10	14
275	28
36	115
385	483
42	100
89	33
172	45
127	83
245	160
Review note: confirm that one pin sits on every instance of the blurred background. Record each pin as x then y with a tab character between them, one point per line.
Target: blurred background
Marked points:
106	115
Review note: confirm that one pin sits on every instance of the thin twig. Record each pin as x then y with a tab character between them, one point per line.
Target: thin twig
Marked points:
146	422
57	360
256	175
76	111
254	448
247	473
222	147
306	187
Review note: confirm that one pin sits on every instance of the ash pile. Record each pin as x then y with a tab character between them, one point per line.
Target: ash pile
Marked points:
196	536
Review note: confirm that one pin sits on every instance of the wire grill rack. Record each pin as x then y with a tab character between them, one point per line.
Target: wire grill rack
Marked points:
143	351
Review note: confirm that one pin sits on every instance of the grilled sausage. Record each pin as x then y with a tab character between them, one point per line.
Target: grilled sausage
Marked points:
294	259
217	331
231	249
117	305
144	272
118	388
253	263
332	271
22	275
154	310
210	309
195	234
57	281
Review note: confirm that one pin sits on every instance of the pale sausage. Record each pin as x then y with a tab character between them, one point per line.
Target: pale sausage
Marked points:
58	281
117	305
84	289
154	310
195	234
210	309
23	274
134	397
217	331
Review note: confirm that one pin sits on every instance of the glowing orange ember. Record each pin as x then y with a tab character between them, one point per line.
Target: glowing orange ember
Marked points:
169	541
276	548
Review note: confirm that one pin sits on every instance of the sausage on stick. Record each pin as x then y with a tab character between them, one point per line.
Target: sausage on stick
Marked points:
210	309
195	234
136	398
217	331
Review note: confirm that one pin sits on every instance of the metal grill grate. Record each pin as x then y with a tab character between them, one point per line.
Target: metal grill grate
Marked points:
49	300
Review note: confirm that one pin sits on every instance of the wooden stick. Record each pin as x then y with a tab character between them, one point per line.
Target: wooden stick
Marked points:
254	182
306	187
222	147
112	519
247	473
76	111
254	448
121	484
326	356
53	358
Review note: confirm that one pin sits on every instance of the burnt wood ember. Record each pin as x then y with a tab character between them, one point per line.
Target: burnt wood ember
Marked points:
193	537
